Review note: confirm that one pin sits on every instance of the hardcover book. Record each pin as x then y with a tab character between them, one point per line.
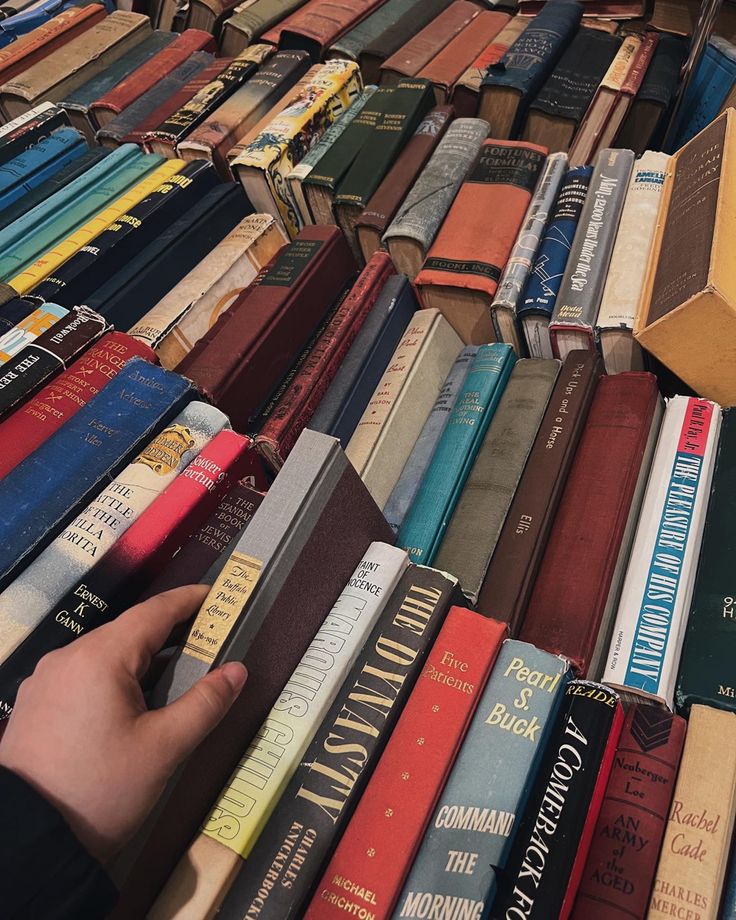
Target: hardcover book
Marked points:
250	20
464	264
572	325
314	26
353	43
29	329
713	78
32	167
28	131
564	805
479	811
385	832
466	93
411	233
577	590
646	643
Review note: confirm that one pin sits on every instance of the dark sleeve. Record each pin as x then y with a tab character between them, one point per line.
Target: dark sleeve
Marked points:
48	873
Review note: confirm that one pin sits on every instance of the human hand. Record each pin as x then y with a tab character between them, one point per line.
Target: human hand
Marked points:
80	732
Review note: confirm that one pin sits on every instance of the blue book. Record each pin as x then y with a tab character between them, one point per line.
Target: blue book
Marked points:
527	64
540	293
407	486
44	492
487	790
26	21
353	385
430	513
707	92
34	166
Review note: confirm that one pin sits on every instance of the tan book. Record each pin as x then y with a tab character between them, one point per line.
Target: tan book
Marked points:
692	862
193	306
393	419
686	316
73	64
466	94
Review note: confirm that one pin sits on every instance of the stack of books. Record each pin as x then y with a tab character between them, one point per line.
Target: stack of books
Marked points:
419	355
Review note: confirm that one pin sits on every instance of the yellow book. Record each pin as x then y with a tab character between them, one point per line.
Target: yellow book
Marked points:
64	250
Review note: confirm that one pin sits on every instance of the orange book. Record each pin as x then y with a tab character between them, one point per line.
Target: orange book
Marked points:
29	49
462	269
373	858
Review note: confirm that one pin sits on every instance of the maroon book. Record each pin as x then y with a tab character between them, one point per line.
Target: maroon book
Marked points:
317	24
238	364
573	604
619	872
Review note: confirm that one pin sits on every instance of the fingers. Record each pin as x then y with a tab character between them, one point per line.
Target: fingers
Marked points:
183	724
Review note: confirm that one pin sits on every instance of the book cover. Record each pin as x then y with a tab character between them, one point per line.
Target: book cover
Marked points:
473	826
437	497
577	590
352	43
29	329
28	131
713	78
466	93
29	169
655	600
250	20
376	851
314	26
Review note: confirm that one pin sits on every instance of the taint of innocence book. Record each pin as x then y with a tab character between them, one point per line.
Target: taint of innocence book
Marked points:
376	690
467	842
376	851
577	589
464	264
619	871
648	635
521	544
694	855
205	873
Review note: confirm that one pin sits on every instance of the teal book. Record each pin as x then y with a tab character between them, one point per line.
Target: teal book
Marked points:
468	841
52	221
44	492
34	166
421	533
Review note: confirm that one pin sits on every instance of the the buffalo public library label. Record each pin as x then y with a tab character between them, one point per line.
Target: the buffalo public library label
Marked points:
223	606
291	263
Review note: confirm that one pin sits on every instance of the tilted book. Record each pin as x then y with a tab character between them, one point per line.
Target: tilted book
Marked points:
29	329
350	45
377	849
242	810
314	26
250	20
29	169
655	601
713	78
28	131
466	93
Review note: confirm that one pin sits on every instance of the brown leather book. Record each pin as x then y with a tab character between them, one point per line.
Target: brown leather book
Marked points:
446	68
317	24
419	51
466	95
384	203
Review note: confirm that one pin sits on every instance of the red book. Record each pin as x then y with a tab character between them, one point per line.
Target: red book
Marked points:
619	872
296	407
574	599
317	24
377	849
30	425
159	115
144	78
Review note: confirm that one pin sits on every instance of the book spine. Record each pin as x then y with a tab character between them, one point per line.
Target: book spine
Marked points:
29	329
71	466
640	65
296	407
86	539
477	816
133	560
655	600
316	805
26	429
244	806
379	844
427	519
47	356
619	872
24	171
694	854
564	806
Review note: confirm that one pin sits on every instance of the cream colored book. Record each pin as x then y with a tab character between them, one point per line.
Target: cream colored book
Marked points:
204	874
393	419
25	602
694	854
192	307
73	64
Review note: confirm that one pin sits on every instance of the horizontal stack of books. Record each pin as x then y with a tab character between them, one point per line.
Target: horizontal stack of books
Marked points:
392	324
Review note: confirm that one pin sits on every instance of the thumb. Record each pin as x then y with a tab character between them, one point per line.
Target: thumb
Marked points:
183	724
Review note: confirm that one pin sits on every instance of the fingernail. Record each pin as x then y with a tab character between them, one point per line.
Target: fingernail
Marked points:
235	674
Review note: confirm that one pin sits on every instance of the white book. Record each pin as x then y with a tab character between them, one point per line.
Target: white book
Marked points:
655	600
629	265
39	587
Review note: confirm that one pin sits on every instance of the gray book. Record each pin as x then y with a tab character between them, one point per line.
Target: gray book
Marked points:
576	309
473	531
412	231
519	266
352	43
410	480
128	120
244	26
